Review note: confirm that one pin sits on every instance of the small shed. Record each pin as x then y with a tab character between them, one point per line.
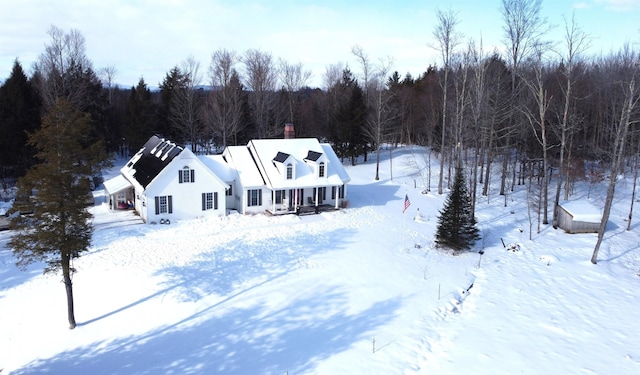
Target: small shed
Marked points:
579	217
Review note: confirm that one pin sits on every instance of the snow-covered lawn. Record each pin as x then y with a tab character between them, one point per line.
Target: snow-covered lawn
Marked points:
357	291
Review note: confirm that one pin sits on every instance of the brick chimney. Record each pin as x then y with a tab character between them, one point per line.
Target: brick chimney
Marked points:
289	131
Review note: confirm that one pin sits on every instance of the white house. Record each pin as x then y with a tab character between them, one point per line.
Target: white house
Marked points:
164	181
298	173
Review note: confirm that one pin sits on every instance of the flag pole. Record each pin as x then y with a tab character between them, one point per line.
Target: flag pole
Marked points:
404	224
406	205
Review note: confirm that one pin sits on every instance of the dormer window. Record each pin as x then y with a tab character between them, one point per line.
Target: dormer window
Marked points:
186	175
321	169
289	171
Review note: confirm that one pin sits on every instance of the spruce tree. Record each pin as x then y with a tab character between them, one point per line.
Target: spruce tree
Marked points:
139	117
19	114
456	225
58	228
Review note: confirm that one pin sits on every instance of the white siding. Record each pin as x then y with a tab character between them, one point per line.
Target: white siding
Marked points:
187	196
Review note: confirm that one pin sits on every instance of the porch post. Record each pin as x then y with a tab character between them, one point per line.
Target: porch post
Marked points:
244	200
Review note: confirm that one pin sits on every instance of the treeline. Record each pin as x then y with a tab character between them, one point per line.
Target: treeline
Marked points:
537	107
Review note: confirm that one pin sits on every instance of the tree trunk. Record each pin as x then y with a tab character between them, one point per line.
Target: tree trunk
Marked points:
66	274
378	162
630	102
633	191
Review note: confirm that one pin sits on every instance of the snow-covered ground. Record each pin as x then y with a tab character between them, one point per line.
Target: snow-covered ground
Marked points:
357	291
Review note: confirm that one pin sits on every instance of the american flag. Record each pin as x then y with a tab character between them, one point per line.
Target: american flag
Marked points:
407	203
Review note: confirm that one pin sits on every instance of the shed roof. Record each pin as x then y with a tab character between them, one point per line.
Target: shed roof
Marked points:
582	210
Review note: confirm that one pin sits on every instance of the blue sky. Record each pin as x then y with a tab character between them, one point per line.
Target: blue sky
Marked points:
146	38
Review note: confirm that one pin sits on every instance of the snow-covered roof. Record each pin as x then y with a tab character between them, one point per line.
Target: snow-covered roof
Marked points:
583	211
240	159
116	184
218	166
334	160
265	150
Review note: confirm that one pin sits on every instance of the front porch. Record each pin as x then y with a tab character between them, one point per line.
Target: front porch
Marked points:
303	210
309	200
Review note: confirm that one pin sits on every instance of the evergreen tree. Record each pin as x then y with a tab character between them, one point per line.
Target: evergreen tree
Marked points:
140	112
174	82
351	118
56	192
456	225
19	114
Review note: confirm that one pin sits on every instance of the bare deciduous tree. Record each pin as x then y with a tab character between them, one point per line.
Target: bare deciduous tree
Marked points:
478	107
536	117
365	63
333	75
624	108
293	77
261	75
185	108
447	39
576	43
107	75
523	30
58	67
223	109
380	114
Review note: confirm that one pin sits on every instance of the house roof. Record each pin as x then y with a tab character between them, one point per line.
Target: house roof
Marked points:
218	166
265	150
583	211
240	159
116	184
335	161
152	158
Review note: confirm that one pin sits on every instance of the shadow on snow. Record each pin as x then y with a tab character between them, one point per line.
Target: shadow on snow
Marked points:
243	323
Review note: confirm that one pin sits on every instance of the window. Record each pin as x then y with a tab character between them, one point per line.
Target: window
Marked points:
340	192
209	201
321	169
186	175
164	204
229	191
321	193
289	171
254	197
